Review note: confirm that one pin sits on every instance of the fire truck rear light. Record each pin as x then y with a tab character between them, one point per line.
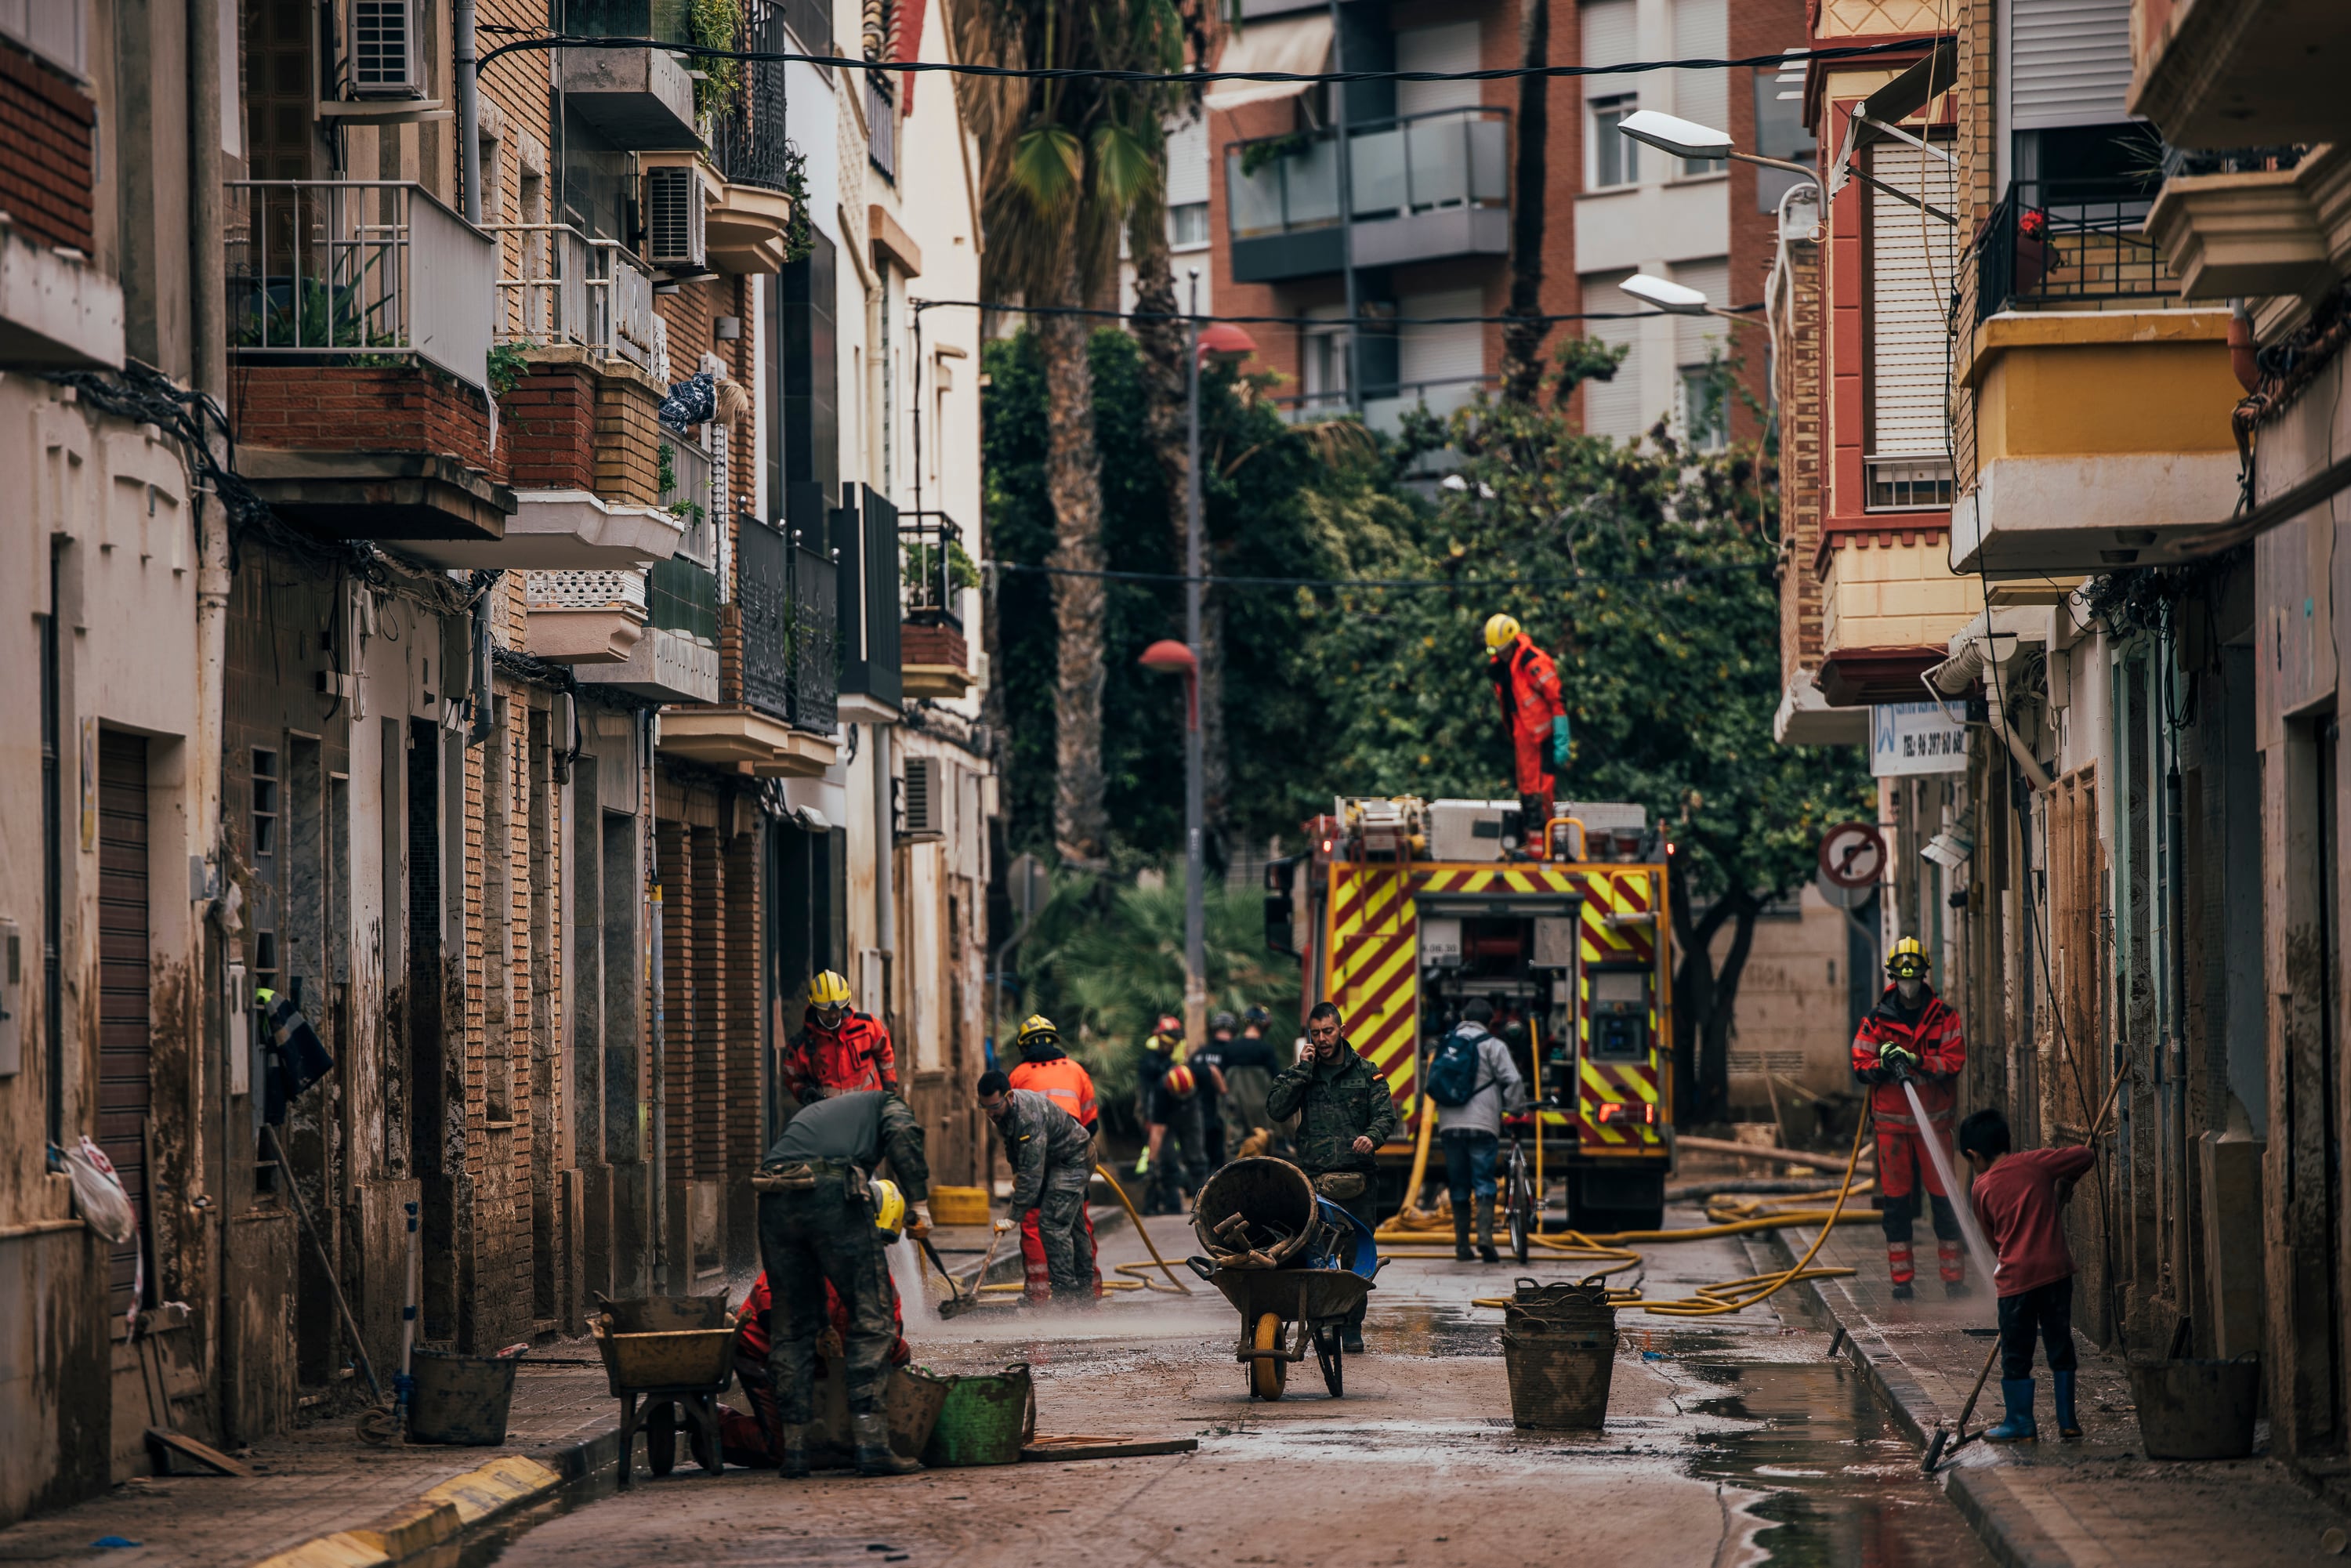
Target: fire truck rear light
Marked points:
1607	1111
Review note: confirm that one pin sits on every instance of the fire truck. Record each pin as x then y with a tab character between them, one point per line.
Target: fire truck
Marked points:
1403	911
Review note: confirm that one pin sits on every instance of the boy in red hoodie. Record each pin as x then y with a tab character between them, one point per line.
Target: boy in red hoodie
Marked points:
2016	1198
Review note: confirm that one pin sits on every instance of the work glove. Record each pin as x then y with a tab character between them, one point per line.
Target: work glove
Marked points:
919	1219
1143	1163
1002	1226
1896	1059
1559	742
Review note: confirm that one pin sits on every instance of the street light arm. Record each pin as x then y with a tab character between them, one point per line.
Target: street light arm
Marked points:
1758	159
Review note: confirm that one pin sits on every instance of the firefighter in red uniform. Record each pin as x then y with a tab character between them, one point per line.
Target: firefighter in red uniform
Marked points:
837	1051
1047	1068
1534	717
1912	1035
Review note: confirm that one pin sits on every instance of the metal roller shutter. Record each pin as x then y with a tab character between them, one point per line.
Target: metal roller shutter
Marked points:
1702	32
1611	37
1450	47
1910	262
122	1005
1614	408
1452	353
2069	62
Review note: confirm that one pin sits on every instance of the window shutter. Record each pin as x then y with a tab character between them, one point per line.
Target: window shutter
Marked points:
1187	162
1702	32
2069	62
1451	48
1614	408
1610	38
1453	352
1910	262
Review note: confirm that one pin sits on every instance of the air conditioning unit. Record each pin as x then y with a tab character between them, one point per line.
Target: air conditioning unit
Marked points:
674	241
384	49
921	802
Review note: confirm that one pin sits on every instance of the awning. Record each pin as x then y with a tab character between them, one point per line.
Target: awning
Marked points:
1296	44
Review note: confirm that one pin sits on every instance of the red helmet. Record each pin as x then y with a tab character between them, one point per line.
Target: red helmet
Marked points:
1179	1082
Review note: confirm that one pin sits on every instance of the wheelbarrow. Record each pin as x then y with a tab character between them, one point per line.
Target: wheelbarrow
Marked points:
674	1353
1306	1299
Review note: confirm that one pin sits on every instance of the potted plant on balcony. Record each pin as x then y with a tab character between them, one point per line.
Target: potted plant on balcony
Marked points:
2032	249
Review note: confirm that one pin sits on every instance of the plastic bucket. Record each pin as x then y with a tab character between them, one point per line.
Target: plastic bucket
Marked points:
958	1206
2197	1410
459	1399
1559	1375
1564	1305
984	1420
910	1400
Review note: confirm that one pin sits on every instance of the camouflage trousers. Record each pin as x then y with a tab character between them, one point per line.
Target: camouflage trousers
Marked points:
806	1239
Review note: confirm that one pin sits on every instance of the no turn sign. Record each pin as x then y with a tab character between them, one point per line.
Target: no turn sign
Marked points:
1853	855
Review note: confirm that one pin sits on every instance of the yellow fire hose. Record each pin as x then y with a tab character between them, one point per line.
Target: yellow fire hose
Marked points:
1175	1285
1728	1296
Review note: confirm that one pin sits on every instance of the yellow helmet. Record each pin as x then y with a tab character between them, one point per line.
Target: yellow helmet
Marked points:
1907	961
828	990
1037	1027
889	1205
1500	631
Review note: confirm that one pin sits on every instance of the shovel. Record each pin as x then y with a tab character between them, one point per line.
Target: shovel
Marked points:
956	1300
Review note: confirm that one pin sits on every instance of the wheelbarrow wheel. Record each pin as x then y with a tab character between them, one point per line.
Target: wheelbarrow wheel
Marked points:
1330	1355
1267	1375
661	1438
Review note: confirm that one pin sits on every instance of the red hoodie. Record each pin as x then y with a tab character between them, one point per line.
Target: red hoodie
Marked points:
2016	1204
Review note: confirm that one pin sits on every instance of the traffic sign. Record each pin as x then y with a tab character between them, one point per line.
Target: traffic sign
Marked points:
1853	855
1838	898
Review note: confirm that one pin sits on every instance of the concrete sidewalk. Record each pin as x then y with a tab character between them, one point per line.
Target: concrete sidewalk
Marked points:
321	1496
2051	1504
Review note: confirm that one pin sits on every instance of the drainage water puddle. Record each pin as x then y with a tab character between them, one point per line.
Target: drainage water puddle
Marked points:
1829	1480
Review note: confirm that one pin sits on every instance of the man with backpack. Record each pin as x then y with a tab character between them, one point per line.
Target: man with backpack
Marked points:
1472	1081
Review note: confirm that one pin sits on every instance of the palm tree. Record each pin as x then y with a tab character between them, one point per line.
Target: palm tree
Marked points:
1523	340
1062	163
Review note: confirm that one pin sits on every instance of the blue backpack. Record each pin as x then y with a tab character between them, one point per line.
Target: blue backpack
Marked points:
1453	1071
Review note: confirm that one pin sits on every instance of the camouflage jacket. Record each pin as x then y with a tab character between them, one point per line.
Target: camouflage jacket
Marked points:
1336	1103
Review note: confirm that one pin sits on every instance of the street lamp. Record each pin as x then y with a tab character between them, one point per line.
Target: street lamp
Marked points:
1687	139
1221	340
1678	299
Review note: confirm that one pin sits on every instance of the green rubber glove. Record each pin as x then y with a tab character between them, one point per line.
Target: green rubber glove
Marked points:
1559	746
1894	1056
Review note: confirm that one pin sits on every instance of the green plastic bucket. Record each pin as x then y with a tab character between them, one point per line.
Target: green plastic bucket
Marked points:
984	1420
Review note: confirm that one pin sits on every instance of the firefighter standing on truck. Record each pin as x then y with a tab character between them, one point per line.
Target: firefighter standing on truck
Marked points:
838	1049
1046	1069
1534	718
1911	1035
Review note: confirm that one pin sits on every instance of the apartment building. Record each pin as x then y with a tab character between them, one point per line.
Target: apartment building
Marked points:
1432	171
2090	594
575	657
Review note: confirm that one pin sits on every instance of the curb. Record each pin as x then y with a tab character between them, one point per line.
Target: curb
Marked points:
1980	1491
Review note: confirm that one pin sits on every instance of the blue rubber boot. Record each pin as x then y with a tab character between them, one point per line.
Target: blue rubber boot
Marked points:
2016	1393
2069	1425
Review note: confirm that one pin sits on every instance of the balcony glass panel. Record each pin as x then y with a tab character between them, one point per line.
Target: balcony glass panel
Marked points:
1449	157
1438	161
682	597
1378	172
1310	184
1253	200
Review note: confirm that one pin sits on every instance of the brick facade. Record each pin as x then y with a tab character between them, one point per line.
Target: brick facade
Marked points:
628	440
549	428
1799	391
345	408
49	127
921	644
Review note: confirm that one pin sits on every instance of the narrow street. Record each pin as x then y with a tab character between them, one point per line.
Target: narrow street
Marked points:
1738	1441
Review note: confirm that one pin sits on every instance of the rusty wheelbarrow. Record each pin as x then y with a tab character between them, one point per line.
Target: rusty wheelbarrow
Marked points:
674	1353
1294	1264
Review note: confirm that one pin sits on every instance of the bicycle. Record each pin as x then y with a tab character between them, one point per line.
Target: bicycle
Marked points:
1521	1204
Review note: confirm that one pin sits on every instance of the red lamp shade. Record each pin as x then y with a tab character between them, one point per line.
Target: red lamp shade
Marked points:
1223	340
1170	657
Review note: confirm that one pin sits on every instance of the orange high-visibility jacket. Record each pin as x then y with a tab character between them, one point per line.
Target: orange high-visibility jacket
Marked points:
1526	682
1065	1083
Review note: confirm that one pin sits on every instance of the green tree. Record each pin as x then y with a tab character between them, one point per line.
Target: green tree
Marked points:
1649	572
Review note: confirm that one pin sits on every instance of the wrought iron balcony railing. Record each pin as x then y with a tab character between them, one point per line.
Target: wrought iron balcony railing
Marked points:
2055	242
747	131
933	569
340	268
788	598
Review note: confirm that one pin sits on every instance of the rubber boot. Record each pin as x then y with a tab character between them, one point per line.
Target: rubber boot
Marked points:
1461	1232
794	1466
2069	1425
2016	1393
875	1455
1486	1252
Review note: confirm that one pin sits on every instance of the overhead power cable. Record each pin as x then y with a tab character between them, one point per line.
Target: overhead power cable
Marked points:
1191	78
1480	584
1015	308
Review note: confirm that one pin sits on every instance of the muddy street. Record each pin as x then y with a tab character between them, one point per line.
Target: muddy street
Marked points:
1733	1440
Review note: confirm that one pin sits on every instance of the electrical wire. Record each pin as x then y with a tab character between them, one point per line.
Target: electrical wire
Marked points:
1183	79
1666	574
1104	312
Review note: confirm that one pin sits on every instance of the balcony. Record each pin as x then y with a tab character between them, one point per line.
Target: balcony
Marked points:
559	289
1422	188
677	660
56	310
2230	73
933	660
1888	607
2101	404
639	99
1384	409
2070	244
789	612
2265	227
584	617
358	317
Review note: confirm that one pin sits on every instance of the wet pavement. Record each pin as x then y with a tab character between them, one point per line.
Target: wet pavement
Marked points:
1732	1440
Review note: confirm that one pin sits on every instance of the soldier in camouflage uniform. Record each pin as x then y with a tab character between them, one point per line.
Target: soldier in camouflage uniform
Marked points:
1344	1114
1052	1159
817	1223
